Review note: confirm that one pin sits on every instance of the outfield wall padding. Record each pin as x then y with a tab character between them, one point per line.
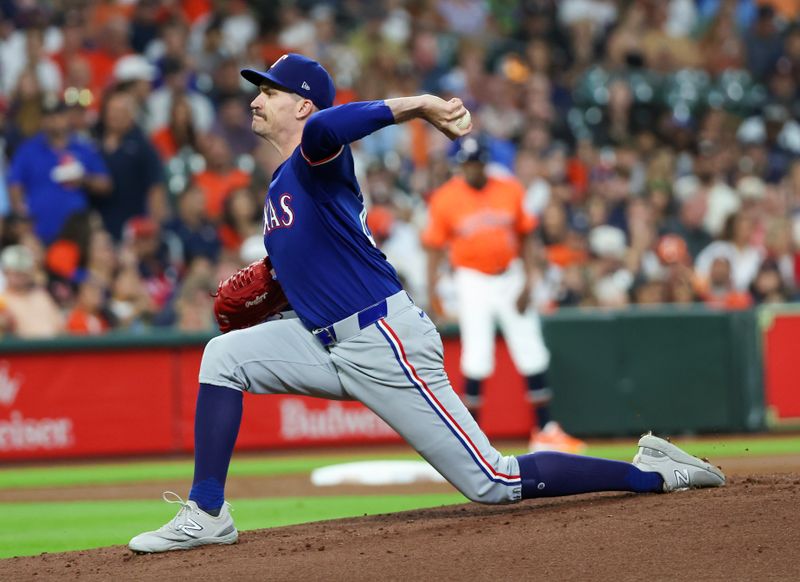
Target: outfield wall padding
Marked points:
669	371
614	374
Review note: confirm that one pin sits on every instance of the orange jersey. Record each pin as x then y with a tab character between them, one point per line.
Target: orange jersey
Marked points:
482	227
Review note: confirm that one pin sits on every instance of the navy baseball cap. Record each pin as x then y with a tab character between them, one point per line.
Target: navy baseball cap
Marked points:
471	149
297	74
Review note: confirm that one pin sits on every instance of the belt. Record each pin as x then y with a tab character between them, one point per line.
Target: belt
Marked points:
352	325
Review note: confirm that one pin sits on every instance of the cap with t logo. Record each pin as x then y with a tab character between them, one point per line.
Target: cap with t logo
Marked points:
297	74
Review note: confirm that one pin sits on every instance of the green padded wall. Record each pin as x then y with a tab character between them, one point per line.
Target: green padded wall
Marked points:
668	370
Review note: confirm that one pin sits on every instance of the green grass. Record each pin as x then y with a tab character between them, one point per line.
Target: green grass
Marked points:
32	528
735	447
143	471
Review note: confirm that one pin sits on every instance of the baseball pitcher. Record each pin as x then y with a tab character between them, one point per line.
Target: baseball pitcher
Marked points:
356	334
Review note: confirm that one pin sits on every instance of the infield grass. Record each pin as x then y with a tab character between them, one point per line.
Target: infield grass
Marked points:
31	528
143	471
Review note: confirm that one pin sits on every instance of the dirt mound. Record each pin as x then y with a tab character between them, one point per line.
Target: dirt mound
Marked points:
745	531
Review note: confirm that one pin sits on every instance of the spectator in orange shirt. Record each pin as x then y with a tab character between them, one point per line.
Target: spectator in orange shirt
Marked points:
481	221
221	176
720	291
241	219
179	133
88	317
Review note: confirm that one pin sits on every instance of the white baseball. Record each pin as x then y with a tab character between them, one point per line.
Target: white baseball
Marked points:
464	121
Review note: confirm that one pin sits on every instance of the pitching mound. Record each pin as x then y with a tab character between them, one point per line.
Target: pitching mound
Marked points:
746	531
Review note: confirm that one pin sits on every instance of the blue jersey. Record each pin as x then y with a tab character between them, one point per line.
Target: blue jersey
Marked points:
50	202
315	222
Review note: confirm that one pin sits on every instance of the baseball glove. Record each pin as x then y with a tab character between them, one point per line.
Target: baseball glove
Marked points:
248	297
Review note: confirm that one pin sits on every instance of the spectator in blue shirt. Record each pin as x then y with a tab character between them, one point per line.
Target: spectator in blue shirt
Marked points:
191	230
53	174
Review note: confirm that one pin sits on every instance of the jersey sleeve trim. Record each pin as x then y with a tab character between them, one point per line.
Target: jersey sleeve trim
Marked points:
322	161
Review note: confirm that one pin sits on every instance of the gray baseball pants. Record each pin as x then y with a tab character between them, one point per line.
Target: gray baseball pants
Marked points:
393	366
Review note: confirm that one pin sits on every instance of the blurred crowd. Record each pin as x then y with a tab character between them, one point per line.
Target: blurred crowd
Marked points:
658	142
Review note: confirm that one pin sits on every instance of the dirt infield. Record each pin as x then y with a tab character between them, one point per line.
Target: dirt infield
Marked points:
745	531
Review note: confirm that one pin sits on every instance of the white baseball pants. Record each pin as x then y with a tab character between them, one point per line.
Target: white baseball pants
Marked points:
485	300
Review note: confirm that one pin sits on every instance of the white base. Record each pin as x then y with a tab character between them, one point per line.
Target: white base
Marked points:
376	473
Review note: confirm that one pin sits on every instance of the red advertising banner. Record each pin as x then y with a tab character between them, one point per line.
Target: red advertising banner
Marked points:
781	349
142	400
292	421
505	412
278	421
81	403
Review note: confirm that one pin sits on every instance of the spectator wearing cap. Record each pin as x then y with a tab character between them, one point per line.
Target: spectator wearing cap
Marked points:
53	174
147	252
774	130
136	74
136	169
611	280
32	310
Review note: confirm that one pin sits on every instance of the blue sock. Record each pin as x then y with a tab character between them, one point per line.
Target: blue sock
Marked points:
549	474
216	426
540	395
472	391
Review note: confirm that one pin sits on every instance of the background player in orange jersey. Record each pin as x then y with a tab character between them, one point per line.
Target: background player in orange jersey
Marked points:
479	218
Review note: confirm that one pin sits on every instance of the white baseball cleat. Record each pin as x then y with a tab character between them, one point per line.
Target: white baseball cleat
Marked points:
679	469
192	527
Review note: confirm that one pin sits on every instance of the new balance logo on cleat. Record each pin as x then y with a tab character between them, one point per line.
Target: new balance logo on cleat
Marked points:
682	478
678	469
190	528
191	525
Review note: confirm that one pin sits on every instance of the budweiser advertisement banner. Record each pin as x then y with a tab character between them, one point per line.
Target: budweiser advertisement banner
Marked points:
141	401
81	403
